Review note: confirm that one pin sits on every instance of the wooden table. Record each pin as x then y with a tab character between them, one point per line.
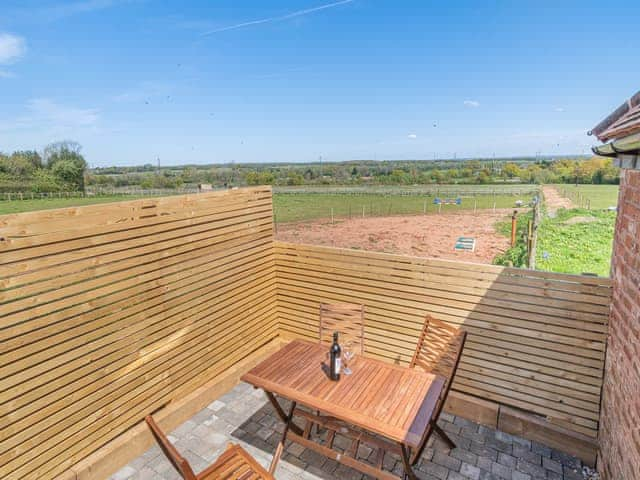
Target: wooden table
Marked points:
387	400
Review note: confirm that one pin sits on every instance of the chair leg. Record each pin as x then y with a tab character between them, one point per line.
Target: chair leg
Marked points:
444	436
408	471
318	431
280	448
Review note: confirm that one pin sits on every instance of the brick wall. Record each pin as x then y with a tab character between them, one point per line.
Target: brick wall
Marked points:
619	436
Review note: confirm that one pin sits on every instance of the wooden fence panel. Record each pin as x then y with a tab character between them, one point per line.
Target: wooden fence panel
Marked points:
109	312
536	340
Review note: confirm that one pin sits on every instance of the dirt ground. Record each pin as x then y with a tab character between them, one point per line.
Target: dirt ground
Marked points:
553	200
422	236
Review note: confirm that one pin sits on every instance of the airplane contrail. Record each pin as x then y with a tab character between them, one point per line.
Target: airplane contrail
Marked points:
298	13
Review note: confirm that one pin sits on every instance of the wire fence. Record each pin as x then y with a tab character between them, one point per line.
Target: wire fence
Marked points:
156	192
334	207
429	190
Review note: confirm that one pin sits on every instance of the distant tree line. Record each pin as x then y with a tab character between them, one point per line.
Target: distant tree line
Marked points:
59	167
418	172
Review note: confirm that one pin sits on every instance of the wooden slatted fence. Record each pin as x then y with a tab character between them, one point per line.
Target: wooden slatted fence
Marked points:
536	339
109	312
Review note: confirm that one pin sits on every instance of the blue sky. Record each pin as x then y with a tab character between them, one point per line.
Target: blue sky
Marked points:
219	81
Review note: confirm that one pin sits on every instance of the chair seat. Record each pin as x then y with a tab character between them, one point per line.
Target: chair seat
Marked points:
235	464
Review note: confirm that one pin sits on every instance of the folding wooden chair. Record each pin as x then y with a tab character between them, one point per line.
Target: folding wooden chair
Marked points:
234	464
346	318
438	351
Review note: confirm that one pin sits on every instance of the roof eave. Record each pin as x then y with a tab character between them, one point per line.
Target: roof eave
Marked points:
599	129
629	145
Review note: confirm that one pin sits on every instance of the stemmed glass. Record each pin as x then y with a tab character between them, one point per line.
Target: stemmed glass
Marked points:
347	354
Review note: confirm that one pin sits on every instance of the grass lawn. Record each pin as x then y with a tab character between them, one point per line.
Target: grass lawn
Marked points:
600	196
297	207
576	241
18	206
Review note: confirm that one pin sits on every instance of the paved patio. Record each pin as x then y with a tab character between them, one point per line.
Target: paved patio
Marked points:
244	416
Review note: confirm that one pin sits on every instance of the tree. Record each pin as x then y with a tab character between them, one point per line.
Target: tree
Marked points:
483	177
73	165
511	170
69	172
45	181
52	152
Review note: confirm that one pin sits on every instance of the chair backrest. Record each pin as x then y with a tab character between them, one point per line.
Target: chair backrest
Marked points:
439	349
177	460
346	318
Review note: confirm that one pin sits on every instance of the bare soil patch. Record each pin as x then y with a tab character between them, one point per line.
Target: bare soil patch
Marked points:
420	235
554	200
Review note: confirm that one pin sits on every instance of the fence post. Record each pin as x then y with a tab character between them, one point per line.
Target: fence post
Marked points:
475	205
362	211
494	206
424	209
533	235
331	215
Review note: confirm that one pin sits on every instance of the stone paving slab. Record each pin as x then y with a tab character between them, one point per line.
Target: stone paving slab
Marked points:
244	416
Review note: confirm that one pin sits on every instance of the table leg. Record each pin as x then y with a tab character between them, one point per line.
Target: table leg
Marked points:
406	455
280	447
444	436
281	414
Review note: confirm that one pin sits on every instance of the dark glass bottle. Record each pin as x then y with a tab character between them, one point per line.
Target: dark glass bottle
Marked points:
335	358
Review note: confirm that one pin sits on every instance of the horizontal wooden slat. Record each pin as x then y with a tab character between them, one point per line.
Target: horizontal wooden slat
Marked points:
536	341
108	312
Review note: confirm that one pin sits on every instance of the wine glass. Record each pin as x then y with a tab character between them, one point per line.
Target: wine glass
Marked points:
347	354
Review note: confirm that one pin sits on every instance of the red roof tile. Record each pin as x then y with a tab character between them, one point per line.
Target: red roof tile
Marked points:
624	121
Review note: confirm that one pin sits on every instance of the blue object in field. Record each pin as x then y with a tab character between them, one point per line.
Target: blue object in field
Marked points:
447	201
465	243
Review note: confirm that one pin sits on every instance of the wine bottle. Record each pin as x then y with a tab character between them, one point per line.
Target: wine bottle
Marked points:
334	359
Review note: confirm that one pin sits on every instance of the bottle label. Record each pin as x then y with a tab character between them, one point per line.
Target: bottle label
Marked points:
338	364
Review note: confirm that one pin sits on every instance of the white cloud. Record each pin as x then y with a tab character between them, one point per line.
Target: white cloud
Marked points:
44	119
6	74
471	103
44	110
559	109
12	48
412	135
298	13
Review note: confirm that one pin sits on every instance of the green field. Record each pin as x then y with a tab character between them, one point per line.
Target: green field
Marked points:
600	196
18	206
343	201
298	207
576	241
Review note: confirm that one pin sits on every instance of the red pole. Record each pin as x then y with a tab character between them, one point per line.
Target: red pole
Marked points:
513	228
